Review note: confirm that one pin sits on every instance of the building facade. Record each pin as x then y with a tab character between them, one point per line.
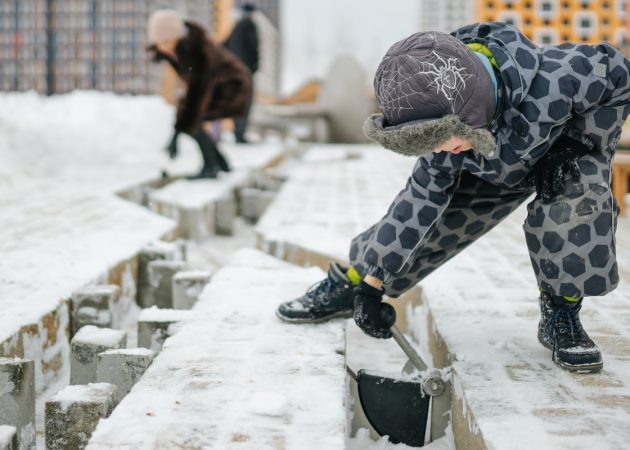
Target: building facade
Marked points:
55	46
557	21
446	15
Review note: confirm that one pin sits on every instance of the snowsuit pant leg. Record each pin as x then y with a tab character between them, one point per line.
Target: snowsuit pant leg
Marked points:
571	240
476	208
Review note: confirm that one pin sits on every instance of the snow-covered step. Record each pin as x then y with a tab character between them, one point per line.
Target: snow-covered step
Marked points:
483	315
235	376
323	206
54	241
200	207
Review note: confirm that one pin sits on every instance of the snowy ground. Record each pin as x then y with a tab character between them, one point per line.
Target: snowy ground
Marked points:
61	160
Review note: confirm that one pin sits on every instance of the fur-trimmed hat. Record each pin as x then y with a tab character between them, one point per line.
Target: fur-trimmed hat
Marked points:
431	87
164	25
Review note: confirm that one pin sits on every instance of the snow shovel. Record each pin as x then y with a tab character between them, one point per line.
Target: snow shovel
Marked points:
412	408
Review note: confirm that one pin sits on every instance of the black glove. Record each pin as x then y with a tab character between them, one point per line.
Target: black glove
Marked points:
172	146
550	171
372	316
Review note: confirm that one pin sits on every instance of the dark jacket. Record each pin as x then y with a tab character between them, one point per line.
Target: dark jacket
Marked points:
219	85
243	42
579	90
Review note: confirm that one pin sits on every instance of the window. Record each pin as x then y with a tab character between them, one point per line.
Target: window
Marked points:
547	9
510	17
546	36
585	23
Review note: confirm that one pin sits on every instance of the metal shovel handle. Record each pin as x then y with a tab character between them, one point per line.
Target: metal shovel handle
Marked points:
388	316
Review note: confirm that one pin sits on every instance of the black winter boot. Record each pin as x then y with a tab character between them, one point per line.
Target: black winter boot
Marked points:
561	331
331	298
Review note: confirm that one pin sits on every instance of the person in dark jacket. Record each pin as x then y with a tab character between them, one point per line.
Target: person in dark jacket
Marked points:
218	84
243	42
492	119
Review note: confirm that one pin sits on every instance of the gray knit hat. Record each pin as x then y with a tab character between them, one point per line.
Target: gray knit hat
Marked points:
431	87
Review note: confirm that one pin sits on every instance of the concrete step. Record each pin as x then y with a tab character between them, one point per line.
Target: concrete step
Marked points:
235	376
324	203
206	207
479	312
200	207
481	316
53	242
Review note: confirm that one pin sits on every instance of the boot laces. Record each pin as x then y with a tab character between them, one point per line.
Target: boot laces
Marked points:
565	321
320	291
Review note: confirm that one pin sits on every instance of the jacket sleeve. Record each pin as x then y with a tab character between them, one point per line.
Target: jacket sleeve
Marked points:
412	215
602	103
192	106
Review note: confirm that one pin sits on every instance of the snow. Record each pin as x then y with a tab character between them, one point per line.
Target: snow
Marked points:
53	241
235	376
6	435
105	337
130	351
484	307
269	404
317	208
198	193
99	289
155	314
362	441
191	274
83	393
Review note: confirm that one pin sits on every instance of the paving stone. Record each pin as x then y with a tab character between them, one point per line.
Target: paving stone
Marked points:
193	203
155	251
123	368
86	345
73	413
17	399
156	325
187	285
225	214
95	305
161	275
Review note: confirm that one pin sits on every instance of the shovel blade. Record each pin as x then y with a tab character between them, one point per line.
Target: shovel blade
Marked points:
396	408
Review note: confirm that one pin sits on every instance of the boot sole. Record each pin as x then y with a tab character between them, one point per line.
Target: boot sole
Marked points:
582	368
337	315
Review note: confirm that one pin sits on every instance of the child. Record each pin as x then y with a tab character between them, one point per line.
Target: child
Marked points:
493	118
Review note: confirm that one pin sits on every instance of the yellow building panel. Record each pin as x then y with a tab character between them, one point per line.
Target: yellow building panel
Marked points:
556	21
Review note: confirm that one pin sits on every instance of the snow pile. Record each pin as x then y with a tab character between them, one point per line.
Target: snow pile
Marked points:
95	139
155	314
105	337
6	435
83	393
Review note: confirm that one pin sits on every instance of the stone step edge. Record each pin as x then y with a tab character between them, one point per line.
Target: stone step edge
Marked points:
47	341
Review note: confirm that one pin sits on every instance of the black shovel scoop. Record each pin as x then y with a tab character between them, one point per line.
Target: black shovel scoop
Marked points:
400	407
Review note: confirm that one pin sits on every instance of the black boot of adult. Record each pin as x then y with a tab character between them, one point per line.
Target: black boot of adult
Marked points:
207	147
